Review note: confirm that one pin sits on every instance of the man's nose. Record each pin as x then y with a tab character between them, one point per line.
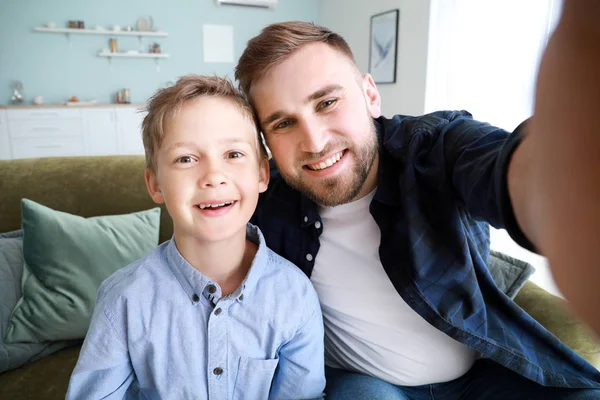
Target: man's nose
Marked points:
314	135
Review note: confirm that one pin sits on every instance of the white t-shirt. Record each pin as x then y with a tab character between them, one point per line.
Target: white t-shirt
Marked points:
369	328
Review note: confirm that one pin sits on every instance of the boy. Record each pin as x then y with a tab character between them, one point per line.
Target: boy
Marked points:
211	313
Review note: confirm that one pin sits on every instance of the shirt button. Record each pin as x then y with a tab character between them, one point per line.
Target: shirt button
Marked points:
218	371
305	219
217	311
195	298
309	257
241	297
211	289
317	224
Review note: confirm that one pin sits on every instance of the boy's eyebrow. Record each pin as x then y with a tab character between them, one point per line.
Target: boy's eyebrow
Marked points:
312	97
230	140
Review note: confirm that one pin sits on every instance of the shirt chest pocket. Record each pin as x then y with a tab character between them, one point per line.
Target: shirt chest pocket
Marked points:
254	378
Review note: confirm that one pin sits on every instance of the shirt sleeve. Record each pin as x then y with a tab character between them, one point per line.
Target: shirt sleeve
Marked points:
476	157
301	370
103	370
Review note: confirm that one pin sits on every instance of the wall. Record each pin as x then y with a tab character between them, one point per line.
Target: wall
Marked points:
351	18
48	66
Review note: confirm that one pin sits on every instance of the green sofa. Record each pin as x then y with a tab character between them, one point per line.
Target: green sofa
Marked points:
92	186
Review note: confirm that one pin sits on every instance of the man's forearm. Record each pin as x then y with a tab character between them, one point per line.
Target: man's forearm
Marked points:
563	218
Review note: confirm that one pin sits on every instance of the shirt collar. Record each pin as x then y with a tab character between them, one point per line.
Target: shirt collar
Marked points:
195	284
388	190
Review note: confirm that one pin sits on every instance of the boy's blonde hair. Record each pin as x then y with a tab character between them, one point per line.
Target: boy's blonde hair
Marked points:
166	103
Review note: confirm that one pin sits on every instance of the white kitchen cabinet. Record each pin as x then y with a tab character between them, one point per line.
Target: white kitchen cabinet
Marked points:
31	132
5	153
100	132
129	129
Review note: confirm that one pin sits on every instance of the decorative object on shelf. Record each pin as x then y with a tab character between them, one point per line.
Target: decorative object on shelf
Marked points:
116	28
155	48
128	29
72	25
51	25
113	45
144	24
383	48
17	97
80	25
38	100
126	96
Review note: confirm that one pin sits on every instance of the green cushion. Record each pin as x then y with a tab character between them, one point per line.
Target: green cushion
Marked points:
67	258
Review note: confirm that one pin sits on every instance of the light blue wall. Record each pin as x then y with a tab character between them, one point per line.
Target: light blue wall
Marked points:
49	67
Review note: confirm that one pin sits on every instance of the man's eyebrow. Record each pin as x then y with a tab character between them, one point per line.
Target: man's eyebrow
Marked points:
312	97
323	92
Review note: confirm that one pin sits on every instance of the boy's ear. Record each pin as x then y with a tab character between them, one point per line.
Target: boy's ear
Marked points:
153	187
263	175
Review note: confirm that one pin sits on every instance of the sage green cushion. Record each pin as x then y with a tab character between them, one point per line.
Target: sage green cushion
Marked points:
66	259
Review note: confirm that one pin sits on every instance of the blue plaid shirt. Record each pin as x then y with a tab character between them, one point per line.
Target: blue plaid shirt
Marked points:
441	180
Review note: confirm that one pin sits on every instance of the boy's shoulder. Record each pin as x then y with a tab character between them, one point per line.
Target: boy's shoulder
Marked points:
135	278
287	273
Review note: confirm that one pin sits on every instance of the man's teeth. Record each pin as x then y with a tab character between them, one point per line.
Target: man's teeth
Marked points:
327	163
203	206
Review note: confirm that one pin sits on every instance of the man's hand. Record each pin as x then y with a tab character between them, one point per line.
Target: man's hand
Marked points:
563	213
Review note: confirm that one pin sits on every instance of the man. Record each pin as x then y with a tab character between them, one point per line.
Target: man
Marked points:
388	218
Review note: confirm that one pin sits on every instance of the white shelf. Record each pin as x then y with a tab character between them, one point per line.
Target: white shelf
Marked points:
106	32
134	55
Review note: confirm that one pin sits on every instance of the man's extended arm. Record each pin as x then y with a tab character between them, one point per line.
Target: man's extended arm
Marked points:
554	175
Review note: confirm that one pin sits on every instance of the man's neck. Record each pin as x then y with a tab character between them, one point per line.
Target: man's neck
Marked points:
371	181
225	262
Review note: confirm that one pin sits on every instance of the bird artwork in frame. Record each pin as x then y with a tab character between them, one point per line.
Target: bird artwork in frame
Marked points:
383	48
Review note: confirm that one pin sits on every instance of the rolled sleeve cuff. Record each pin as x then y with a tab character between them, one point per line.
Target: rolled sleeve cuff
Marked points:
507	214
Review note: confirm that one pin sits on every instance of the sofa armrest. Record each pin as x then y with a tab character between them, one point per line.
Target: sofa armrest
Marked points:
552	312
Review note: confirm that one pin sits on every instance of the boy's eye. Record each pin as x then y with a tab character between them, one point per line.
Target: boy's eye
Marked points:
185	160
326	103
235	154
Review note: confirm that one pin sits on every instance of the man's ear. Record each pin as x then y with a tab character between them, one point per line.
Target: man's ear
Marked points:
372	96
263	175
153	187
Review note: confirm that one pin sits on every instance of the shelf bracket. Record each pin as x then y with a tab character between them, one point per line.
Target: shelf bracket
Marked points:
157	65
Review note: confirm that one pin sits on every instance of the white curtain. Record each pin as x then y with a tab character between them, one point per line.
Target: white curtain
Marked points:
483	57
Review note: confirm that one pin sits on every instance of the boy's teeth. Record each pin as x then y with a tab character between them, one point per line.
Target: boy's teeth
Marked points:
204	206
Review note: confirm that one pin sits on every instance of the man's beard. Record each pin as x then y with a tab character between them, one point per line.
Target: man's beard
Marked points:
337	190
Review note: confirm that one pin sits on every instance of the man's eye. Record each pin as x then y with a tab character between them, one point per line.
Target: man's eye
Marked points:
235	154
283	124
326	103
185	160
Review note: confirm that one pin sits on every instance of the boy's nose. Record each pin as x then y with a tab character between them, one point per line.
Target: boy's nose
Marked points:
213	177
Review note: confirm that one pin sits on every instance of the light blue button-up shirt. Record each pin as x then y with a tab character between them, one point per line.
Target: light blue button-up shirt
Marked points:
161	329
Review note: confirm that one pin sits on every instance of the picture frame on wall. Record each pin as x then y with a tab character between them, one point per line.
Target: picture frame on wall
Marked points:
383	47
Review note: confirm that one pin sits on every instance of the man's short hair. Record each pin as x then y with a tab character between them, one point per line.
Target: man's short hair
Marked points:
166	103
278	41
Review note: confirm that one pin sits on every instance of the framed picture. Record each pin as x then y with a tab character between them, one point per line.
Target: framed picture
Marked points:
383	49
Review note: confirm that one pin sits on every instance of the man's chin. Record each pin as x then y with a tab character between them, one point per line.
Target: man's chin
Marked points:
332	195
